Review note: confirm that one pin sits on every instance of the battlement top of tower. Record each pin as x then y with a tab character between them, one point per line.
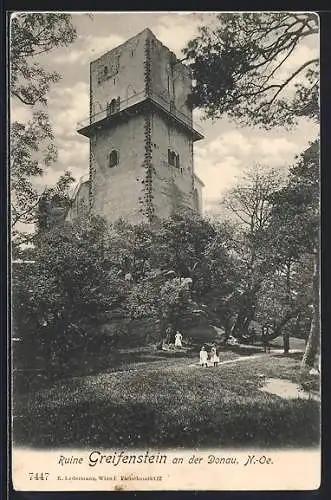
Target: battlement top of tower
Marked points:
148	33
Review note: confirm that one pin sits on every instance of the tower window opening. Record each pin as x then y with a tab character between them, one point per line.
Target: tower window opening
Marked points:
173	158
113	158
112	106
105	70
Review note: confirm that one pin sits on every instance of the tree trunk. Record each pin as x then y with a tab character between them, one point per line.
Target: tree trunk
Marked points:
314	333
286	335
286	340
312	342
238	327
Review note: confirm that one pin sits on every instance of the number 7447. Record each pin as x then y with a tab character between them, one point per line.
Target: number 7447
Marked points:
37	476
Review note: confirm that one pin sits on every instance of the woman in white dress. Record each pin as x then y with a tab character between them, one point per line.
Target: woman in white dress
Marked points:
178	339
203	357
213	356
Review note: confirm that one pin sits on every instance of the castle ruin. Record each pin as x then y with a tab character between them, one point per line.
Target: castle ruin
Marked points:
141	135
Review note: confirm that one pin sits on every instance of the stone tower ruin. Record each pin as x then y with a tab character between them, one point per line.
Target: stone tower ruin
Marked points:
141	135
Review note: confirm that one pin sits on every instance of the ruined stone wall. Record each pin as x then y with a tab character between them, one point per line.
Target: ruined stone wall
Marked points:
142	185
118	73
80	203
172	186
118	190
170	79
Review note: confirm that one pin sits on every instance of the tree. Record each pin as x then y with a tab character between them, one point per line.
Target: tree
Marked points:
69	288
241	69
284	300
239	65
53	198
249	204
30	207
295	228
32	151
159	257
33	34
160	260
132	248
160	297
32	144
181	243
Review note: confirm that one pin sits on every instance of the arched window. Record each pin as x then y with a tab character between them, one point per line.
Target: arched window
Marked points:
112	106
113	158
173	158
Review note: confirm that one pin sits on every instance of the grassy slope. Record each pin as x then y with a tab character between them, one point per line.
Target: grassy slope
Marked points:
169	402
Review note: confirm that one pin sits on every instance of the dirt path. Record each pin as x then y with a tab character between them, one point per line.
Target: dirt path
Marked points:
254	356
287	389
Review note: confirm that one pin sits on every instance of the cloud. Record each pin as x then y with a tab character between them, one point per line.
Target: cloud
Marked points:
300	55
87	48
67	106
183	26
75	155
220	162
219	159
51	176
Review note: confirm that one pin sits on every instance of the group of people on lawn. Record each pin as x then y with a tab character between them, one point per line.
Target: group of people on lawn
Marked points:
212	357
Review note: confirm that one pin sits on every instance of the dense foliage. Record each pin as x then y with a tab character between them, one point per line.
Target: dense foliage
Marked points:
262	268
240	63
259	271
32	147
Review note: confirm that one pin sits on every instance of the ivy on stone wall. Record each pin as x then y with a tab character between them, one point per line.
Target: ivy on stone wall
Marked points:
147	202
147	67
92	172
148	206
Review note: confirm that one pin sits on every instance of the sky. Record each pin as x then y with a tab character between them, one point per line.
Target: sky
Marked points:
219	159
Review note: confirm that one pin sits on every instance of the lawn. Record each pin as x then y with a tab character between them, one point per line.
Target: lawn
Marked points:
170	402
295	343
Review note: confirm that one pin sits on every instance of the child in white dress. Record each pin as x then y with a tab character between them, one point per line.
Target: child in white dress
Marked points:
178	339
213	356
203	357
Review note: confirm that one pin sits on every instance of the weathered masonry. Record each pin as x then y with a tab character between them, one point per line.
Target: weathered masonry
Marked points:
141	135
